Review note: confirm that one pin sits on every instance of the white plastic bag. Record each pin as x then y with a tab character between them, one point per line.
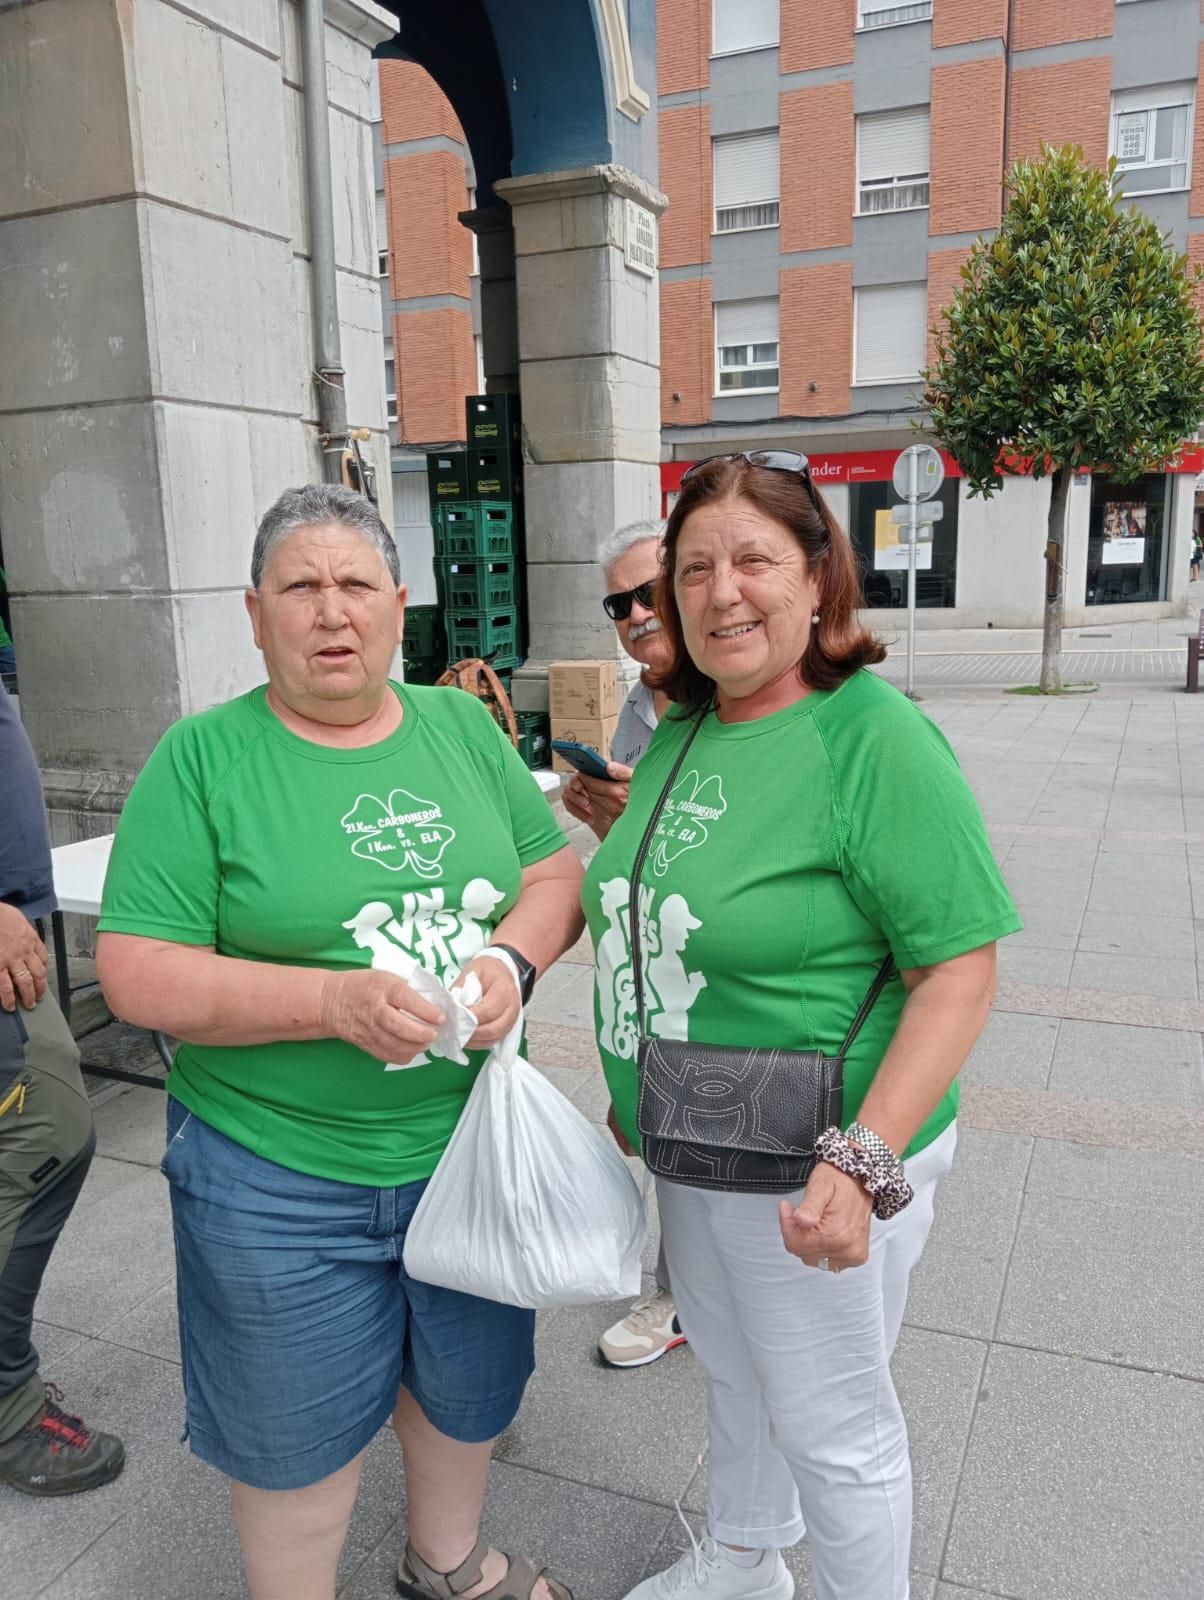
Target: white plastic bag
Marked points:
529	1204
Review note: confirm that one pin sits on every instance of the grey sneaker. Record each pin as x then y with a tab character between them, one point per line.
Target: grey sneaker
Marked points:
706	1573
646	1333
55	1454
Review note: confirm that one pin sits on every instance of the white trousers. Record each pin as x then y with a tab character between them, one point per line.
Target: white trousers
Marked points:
805	1426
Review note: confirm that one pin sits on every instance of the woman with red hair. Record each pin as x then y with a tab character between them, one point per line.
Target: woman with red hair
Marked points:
813	894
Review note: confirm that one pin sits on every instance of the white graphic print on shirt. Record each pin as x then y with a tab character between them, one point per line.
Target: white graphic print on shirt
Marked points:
402	831
669	991
427	934
691	804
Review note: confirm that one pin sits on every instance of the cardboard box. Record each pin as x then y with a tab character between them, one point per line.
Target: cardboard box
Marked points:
586	690
596	733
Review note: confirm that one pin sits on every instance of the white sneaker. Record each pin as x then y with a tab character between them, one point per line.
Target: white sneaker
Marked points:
705	1570
648	1330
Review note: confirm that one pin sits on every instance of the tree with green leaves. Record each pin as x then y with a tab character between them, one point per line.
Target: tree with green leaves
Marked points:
1073	343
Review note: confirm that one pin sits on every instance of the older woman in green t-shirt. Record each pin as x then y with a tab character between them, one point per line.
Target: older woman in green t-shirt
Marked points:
284	865
804	823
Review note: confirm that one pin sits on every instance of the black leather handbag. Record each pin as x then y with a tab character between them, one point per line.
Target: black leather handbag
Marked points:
721	1117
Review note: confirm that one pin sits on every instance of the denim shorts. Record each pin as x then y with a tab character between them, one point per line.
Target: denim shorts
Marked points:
299	1323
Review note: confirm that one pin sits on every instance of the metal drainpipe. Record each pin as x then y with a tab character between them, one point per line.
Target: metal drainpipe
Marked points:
1007	101
328	359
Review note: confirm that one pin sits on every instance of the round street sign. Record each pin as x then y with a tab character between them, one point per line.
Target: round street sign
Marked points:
930	471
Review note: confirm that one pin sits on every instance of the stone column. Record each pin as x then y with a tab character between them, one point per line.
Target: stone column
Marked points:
499	313
155	386
589	367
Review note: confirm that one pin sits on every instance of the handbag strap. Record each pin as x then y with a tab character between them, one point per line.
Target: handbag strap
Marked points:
882	977
633	906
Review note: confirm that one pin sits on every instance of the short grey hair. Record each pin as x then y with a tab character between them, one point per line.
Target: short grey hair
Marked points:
618	544
312	506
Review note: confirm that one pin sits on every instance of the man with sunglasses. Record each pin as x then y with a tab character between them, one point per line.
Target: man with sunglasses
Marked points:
630	563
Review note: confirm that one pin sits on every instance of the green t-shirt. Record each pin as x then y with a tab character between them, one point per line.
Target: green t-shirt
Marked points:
794	852
241	835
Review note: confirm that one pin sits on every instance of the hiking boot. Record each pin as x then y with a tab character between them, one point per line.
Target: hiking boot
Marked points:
648	1330
55	1454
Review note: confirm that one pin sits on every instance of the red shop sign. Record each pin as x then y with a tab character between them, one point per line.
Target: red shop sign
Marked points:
852	466
876	466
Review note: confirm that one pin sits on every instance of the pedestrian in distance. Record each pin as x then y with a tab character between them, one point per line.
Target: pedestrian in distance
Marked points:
46	1145
1197	551
805	870
331	833
630	567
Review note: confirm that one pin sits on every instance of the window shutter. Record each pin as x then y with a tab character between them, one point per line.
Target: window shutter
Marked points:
891	331
746	169
747	322
382	226
744	25
892	144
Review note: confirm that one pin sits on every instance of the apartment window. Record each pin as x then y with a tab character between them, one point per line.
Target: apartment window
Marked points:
390	391
743	25
870	14
382	238
746	338
1151	138
746	181
892	160
889	332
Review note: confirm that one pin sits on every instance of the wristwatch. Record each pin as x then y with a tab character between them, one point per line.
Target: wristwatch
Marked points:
526	970
866	1139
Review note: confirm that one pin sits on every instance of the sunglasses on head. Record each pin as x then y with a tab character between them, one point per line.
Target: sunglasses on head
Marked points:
618	606
772	460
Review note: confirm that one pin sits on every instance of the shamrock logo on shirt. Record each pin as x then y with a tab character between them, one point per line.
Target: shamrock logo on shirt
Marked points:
402	831
683	826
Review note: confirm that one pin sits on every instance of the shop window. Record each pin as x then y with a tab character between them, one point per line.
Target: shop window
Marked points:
1126	542
884	560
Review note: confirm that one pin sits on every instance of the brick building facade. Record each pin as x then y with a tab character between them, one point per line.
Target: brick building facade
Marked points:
828	169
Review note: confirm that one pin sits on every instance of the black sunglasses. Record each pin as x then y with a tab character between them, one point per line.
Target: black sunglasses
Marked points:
618	606
773	460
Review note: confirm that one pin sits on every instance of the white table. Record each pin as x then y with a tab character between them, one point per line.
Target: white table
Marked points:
79	879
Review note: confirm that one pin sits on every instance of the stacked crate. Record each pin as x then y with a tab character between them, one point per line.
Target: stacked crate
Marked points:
480	571
424	644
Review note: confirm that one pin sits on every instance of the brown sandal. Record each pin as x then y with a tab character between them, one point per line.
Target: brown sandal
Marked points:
417	1581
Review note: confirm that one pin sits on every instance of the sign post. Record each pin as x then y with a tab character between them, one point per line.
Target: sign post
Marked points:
919	473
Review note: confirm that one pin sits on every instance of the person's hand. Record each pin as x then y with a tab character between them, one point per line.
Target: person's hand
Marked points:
379	1013
500	1003
620	1138
833	1221
22	960
599	802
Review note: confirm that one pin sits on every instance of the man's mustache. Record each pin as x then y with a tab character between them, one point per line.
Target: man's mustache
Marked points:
639	629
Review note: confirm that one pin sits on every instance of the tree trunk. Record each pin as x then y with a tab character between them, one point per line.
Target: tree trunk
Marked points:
1051	647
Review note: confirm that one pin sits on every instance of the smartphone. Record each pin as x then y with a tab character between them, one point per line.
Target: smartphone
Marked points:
586	761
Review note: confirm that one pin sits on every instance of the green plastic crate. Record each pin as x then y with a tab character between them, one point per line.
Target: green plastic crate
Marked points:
479	585
483	633
423	633
534	738
424	669
475	530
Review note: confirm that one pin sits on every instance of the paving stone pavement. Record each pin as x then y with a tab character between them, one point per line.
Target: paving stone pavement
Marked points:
1052	1361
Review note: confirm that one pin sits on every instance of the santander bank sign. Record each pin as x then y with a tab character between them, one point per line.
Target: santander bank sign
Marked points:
853	466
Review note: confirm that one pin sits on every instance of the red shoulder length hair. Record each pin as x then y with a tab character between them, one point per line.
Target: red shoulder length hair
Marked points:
838	646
